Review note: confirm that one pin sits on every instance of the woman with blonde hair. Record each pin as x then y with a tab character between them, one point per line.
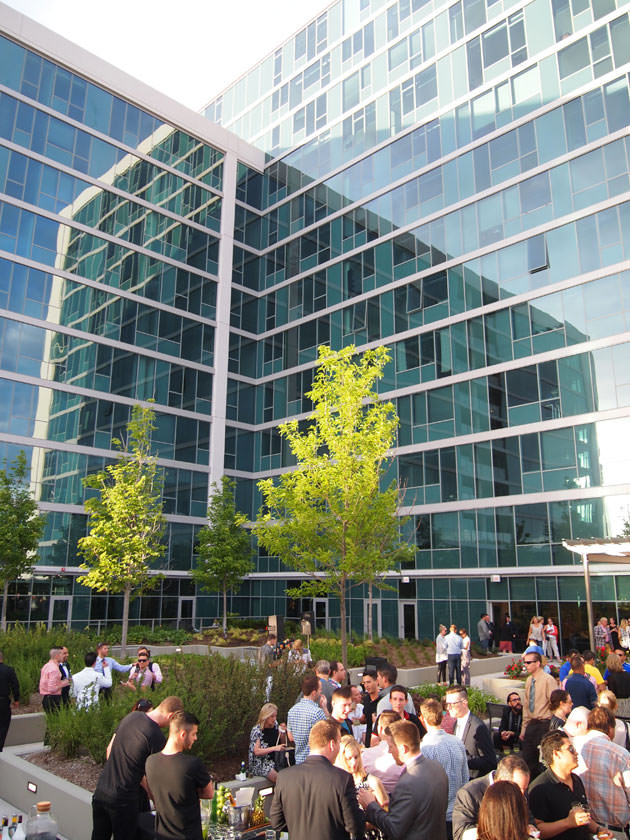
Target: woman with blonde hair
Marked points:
624	634
607	699
617	678
349	759
266	742
299	655
535	632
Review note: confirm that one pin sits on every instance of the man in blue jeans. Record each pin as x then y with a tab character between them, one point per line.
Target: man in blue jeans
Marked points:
454	645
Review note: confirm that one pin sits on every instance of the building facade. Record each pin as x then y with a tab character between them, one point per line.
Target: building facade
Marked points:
450	180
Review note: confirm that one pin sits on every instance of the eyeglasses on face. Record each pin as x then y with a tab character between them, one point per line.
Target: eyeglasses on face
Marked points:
141	659
530	661
454	702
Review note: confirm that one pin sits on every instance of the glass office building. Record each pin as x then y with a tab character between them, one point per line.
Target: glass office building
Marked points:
448	179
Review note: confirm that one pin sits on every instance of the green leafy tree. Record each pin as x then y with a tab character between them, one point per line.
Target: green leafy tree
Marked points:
21	526
328	518
625	530
225	553
125	522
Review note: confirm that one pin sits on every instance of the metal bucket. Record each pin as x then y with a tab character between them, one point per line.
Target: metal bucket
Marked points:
238	816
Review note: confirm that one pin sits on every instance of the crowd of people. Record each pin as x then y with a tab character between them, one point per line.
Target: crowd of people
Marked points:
365	761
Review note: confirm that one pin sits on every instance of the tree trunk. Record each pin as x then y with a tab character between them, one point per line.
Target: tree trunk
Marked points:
225	612
5	595
125	621
342	608
369	612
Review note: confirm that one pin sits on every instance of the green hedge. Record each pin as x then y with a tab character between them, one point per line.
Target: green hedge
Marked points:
224	693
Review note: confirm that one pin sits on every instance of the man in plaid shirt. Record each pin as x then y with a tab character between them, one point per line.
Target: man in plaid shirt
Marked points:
304	715
607	765
602	633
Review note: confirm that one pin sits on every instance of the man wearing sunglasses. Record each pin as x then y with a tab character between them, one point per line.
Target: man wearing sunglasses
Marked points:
557	798
536	711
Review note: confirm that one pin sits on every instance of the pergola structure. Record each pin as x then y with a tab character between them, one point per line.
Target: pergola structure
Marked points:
615	550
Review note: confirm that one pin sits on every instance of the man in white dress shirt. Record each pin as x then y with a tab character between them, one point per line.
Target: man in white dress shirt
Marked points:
88	682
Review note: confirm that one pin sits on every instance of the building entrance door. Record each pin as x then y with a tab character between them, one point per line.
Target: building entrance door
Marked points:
320	608
59	611
186	613
407	620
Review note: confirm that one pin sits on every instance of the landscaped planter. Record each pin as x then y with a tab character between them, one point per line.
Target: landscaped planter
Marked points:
501	687
72	804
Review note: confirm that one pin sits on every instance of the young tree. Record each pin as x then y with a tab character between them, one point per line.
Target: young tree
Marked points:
328	518
225	553
21	527
125	518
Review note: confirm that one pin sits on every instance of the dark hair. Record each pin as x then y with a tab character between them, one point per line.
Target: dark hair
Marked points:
90	658
535	654
183	720
142	705
588	656
101	645
146	650
400	688
502	813
513	694
577	664
310	683
602	719
389	671
557	696
552	742
344	691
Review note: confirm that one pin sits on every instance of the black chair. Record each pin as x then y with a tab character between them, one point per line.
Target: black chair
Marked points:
495	713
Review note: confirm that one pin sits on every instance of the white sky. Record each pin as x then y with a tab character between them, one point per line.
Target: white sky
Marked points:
188	49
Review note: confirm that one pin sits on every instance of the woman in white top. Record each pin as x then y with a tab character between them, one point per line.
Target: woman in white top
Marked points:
465	656
441	656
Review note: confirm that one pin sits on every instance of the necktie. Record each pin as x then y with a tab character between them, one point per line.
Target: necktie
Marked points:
532	695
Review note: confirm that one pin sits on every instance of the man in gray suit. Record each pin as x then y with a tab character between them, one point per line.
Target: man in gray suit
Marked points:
417	807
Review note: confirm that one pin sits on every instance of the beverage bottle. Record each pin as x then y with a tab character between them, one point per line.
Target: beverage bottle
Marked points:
19	831
243	767
41	825
13	825
3	828
213	807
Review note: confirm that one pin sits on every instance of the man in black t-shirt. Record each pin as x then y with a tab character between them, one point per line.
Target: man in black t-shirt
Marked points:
115	800
178	781
557	798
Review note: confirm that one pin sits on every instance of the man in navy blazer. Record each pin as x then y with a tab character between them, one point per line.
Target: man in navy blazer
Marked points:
315	799
472	731
417	806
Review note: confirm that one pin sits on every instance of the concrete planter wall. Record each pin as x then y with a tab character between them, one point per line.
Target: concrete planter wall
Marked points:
72	805
26	729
